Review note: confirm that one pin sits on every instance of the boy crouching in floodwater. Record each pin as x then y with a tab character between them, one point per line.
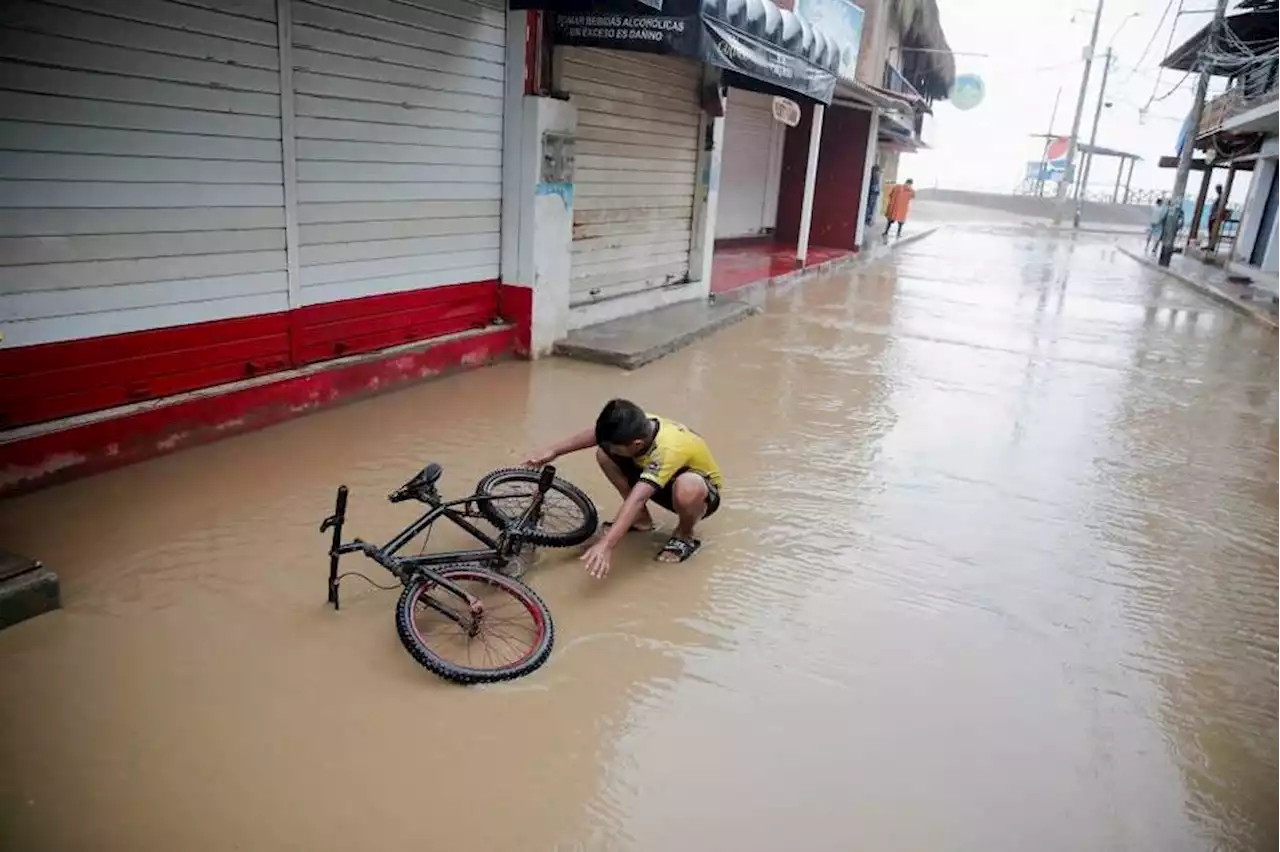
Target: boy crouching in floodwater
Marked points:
646	458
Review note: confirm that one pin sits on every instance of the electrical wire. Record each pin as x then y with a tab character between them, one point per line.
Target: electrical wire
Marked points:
1168	44
1155	100
1151	40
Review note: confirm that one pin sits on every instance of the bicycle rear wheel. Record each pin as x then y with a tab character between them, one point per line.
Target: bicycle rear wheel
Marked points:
514	634
568	516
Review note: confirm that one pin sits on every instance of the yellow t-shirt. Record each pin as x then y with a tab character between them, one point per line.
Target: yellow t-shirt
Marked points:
676	447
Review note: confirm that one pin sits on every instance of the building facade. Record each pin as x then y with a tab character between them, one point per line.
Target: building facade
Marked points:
218	214
1237	133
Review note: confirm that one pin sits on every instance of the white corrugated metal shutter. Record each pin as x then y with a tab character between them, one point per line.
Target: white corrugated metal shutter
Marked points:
636	169
141	183
399	128
751	166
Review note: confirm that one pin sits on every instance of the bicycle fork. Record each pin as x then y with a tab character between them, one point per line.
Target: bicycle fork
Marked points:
533	513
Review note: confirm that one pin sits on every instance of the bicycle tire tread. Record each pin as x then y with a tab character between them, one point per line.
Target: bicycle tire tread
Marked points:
461	674
575	494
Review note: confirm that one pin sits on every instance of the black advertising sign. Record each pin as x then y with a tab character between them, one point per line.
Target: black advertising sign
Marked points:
649	33
684	28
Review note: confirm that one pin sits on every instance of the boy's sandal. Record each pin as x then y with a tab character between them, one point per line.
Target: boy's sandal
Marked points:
681	547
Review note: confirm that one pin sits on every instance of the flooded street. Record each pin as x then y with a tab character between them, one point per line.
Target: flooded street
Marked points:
995	570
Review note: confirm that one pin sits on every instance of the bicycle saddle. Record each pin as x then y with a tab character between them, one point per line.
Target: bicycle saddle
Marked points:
429	475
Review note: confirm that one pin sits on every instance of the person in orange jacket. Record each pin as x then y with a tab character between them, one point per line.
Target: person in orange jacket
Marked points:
899	205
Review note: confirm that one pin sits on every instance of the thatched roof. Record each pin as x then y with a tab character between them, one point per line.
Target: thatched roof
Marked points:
932	68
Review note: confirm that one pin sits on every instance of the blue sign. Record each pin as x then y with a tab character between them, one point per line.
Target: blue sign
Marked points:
840	21
1052	171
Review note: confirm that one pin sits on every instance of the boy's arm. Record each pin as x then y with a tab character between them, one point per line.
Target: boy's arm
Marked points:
573	443
599	554
627	513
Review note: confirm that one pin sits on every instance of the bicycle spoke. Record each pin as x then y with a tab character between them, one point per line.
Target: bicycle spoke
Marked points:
507	631
558	514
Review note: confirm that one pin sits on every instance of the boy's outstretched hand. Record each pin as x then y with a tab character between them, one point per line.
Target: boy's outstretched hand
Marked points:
597	559
540	459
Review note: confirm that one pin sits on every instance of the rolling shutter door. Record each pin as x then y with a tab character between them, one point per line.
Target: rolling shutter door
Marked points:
141	201
141	183
399	129
635	172
752	166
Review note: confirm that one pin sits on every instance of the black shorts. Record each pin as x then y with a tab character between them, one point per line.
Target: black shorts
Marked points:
664	496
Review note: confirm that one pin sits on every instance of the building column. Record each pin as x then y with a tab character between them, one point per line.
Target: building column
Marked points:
1128	180
810	178
873	130
706	201
1251	212
537	205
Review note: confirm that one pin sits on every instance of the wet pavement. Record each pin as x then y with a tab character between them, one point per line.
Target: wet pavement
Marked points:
996	570
1249	291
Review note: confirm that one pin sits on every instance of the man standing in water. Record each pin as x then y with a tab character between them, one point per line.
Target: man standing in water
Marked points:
899	205
645	458
1156	227
1212	221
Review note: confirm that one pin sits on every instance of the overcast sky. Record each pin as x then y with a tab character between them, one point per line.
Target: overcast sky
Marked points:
1033	47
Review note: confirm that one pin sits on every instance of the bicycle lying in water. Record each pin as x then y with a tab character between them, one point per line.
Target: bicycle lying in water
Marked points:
465	601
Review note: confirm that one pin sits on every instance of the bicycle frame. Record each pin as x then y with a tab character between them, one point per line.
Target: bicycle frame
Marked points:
405	568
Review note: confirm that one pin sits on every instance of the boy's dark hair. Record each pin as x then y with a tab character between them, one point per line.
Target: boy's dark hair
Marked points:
621	421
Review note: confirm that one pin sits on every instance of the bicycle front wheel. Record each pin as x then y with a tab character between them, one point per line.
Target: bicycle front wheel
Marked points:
511	637
568	516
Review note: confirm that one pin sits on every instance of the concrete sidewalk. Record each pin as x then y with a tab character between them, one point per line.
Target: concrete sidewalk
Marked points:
1216	283
634	341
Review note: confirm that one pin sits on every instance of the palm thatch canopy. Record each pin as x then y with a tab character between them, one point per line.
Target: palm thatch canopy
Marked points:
927	62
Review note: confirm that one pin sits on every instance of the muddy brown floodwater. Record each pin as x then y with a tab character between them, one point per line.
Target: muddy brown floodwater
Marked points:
996	570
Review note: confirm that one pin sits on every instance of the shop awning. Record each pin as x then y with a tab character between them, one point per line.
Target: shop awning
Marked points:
850	92
897	133
855	94
762	45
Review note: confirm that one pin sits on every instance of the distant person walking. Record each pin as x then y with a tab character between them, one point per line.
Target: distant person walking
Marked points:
1216	204
1211	224
1156	226
899	205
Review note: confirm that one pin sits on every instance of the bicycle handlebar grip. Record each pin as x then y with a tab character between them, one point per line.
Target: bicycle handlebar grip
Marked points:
544	481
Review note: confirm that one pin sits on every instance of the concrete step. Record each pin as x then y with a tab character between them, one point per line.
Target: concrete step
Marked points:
634	341
27	589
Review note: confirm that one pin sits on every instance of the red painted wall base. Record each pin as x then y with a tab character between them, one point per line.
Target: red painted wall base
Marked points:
89	445
54	380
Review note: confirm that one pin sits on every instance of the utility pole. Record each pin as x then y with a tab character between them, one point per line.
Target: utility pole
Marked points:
1048	140
1189	147
1093	140
1069	174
